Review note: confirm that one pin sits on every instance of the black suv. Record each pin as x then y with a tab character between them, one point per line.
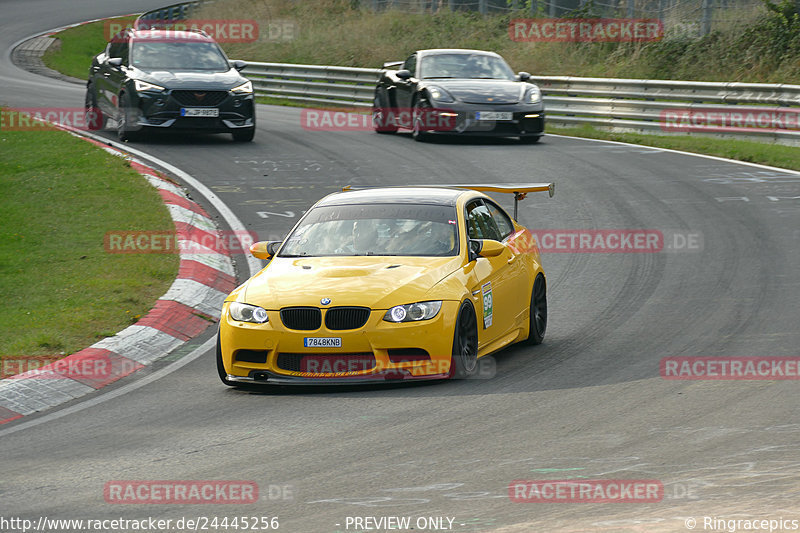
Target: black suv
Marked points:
169	79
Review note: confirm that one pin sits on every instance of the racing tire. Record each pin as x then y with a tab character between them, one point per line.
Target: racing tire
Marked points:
223	375
529	140
538	313
417	132
382	122
244	135
124	131
464	362
94	119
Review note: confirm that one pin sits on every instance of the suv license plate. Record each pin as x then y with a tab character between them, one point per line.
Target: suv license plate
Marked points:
199	112
322	342
494	115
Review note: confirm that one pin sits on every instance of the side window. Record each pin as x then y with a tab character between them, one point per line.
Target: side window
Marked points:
119	49
480	222
411	65
503	222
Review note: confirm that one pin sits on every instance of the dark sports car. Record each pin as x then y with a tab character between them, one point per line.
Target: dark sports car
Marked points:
169	79
459	92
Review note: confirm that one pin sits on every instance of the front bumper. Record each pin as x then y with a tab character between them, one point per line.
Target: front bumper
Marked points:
162	110
526	121
380	351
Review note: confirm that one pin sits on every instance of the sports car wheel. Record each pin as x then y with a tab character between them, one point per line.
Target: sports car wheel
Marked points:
94	118
465	344
418	132
381	119
223	375
124	131
538	318
529	140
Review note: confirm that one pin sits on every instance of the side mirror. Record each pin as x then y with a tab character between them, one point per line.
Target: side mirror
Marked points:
114	61
264	249
524	76
238	64
403	74
486	247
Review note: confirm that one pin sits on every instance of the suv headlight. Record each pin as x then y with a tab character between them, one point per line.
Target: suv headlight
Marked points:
440	95
413	312
247	313
245	88
534	95
146	86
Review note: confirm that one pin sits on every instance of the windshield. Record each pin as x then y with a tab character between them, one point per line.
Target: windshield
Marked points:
472	66
178	55
386	229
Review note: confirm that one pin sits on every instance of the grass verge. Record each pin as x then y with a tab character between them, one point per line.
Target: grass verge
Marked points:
77	46
62	292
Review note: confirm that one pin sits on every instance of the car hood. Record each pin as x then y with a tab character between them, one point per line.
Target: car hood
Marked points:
483	91
192	79
374	282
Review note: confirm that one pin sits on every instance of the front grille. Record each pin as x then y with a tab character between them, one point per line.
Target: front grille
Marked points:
403	355
199	98
251	356
303	318
326	363
346	317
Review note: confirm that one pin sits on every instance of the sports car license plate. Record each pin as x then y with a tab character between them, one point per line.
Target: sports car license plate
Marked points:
322	342
199	112
494	115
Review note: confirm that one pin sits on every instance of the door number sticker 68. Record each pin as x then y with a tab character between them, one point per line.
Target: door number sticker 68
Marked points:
486	289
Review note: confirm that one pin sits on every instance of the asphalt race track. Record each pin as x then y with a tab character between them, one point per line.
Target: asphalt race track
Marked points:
588	403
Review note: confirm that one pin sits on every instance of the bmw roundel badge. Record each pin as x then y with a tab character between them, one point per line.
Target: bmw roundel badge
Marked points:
325	301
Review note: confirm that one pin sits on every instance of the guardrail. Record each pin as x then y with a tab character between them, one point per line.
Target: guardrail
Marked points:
707	108
181	11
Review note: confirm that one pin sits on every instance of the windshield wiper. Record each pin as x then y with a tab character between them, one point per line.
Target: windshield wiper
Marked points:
297	255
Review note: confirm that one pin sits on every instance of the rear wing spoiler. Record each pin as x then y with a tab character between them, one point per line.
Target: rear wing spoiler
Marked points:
519	190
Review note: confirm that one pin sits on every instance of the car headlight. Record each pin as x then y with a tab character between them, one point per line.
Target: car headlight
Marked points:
247	313
146	86
245	88
413	312
534	95
440	95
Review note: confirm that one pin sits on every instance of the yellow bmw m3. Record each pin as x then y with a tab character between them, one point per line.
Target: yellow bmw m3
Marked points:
381	284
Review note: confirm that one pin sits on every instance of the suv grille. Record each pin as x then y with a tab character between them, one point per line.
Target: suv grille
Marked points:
199	98
346	317
326	363
304	318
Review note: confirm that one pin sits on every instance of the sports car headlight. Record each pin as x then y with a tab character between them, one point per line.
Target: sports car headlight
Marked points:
247	313
146	86
440	95
413	312
534	95
245	88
